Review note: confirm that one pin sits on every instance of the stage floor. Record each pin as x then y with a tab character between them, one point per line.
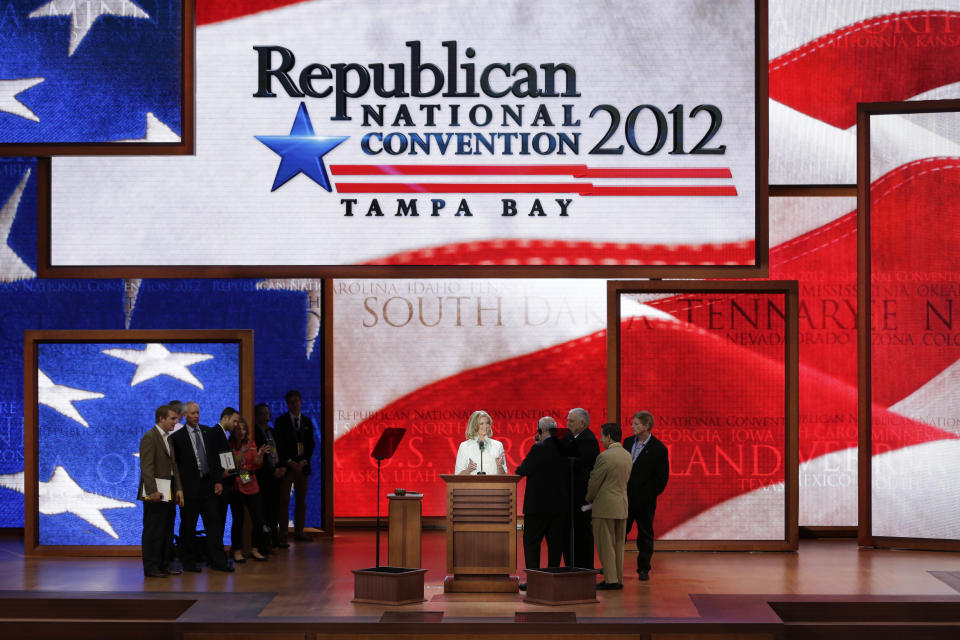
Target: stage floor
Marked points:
314	580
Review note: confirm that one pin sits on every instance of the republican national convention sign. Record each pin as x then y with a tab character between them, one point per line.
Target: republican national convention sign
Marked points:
509	133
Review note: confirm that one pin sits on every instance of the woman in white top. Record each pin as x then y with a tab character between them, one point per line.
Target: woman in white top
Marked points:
479	450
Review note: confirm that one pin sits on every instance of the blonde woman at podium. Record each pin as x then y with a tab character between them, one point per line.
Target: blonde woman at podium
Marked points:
479	453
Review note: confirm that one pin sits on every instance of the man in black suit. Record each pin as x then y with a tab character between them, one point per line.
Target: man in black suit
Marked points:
648	479
269	476
228	499
199	466
294	434
582	445
546	501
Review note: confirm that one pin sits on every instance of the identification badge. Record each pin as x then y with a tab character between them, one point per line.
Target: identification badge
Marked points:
245	477
299	448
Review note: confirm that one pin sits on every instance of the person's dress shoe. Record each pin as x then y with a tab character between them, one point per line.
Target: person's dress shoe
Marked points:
643	575
302	538
259	558
283	545
224	567
238	558
523	586
171	570
192	567
607	586
155	573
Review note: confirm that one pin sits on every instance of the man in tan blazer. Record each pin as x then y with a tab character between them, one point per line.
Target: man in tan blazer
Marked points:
607	493
157	463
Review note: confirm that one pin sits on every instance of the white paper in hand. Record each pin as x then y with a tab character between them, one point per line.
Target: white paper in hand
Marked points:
163	487
227	462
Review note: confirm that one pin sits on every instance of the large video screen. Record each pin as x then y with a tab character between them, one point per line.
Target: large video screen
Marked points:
914	336
81	76
814	241
96	400
711	368
826	56
520	133
423	354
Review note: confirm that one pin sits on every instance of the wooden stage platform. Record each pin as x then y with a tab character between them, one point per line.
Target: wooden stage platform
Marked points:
829	589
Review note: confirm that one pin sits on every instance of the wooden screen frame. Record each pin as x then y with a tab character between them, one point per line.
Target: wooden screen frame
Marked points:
865	536
789	290
760	268
31	518
187	143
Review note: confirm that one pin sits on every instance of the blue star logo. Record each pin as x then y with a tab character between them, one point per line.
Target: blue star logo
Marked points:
301	151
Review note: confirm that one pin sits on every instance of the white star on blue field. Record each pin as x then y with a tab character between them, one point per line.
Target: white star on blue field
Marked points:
301	151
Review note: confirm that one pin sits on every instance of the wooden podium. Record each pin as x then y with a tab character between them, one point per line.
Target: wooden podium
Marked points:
405	526
481	534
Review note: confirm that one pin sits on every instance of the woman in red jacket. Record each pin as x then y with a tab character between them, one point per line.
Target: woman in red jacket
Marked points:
248	459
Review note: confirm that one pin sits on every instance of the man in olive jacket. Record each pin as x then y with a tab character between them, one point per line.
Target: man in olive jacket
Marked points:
157	463
607	493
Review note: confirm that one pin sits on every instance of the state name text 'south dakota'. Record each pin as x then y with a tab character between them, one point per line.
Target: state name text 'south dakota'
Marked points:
414	208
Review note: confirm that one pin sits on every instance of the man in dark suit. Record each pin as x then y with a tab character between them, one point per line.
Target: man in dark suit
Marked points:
546	501
648	479
269	476
199	466
294	434
582	445
159	512
228	499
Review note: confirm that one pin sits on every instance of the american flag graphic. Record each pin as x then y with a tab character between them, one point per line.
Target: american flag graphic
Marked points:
283	314
552	355
96	402
89	71
825	57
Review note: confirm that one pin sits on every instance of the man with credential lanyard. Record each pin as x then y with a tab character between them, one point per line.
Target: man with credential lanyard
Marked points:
295	443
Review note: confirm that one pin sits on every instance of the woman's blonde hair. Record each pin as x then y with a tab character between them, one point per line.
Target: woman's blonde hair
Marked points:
473	424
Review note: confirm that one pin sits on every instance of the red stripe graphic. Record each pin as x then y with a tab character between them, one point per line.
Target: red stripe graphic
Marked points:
575	170
565	252
583	189
885	58
210	11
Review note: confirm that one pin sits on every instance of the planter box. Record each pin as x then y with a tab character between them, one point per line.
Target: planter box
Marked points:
561	585
388	585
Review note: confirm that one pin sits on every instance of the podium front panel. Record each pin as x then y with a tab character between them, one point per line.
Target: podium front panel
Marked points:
481	526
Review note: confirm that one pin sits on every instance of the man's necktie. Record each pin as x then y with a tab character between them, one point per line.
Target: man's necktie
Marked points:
201	454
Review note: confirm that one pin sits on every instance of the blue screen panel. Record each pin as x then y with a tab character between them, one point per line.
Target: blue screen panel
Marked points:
96	400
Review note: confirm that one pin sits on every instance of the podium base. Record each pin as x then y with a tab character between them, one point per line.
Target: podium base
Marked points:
561	586
388	585
466	583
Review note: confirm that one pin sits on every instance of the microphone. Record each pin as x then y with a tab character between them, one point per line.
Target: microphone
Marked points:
481	444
